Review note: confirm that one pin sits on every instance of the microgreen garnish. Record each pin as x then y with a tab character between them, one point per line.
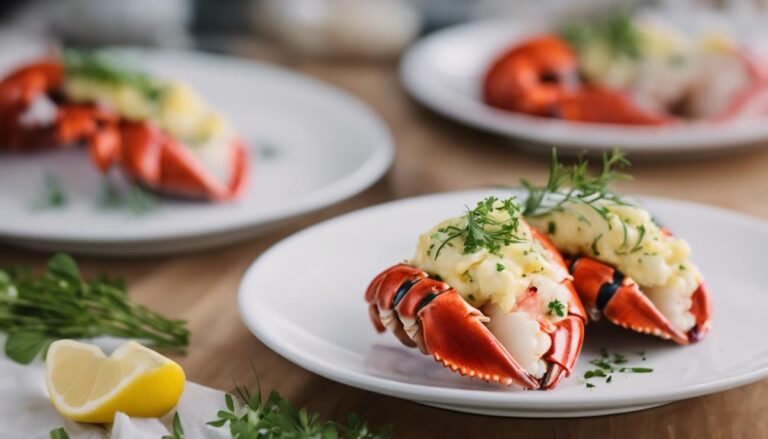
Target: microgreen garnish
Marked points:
482	230
606	365
178	431
52	195
276	417
574	184
556	307
106	67
35	310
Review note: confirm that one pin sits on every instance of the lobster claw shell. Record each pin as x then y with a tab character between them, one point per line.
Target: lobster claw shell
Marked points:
604	289
567	339
455	336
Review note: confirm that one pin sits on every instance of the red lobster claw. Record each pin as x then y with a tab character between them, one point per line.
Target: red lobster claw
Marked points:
430	314
607	290
442	324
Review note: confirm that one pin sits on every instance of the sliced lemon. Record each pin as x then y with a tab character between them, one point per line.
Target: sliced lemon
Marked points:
87	386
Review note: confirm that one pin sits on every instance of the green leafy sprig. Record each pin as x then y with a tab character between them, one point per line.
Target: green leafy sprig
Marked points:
136	200
106	67
574	184
59	433
178	431
276	417
36	310
482	230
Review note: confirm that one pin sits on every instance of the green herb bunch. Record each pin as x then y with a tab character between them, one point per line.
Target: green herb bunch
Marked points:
574	184
277	418
482	230
36	310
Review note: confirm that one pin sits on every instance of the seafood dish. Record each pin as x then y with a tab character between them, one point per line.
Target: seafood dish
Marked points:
503	293
625	70
159	133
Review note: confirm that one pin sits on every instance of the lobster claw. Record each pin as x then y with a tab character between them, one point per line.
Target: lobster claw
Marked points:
604	289
454	333
567	339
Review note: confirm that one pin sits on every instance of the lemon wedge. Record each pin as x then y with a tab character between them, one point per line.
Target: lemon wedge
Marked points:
87	386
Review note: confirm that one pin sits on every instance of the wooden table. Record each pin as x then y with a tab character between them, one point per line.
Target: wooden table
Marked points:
433	155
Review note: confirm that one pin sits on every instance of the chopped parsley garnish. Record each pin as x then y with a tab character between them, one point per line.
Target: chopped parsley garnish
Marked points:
574	184
499	267
606	365
482	229
556	307
551	228
52	195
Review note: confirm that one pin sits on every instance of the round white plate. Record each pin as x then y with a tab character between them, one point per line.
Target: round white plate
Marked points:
304	299
444	72
312	145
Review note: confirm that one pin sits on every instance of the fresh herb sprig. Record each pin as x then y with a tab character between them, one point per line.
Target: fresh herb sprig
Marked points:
617	32
482	230
106	67
608	364
36	310
178	431
574	184
59	433
276	417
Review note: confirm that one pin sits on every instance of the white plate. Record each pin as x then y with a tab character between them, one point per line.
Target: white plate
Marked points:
304	299
443	71
329	146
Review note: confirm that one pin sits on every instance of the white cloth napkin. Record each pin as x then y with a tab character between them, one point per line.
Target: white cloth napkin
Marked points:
26	412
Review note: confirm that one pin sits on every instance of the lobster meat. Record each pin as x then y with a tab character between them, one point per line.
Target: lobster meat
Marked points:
37	112
425	312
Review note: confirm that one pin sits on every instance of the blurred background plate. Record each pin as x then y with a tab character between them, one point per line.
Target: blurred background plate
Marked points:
312	145
444	70
328	266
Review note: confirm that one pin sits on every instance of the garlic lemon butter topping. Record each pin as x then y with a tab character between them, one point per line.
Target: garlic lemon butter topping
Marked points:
492	259
627	238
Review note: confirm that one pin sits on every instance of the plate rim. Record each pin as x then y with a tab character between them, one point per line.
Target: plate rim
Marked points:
369	172
565	134
477	398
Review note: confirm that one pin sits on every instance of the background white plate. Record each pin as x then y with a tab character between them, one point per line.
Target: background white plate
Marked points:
444	72
325	146
304	299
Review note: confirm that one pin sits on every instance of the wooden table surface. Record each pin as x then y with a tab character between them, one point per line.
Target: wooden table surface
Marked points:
433	155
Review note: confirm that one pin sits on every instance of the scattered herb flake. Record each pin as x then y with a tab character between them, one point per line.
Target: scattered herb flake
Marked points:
499	267
556	307
52	195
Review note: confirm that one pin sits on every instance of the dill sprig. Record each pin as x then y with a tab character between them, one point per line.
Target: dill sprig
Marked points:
574	184
482	230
